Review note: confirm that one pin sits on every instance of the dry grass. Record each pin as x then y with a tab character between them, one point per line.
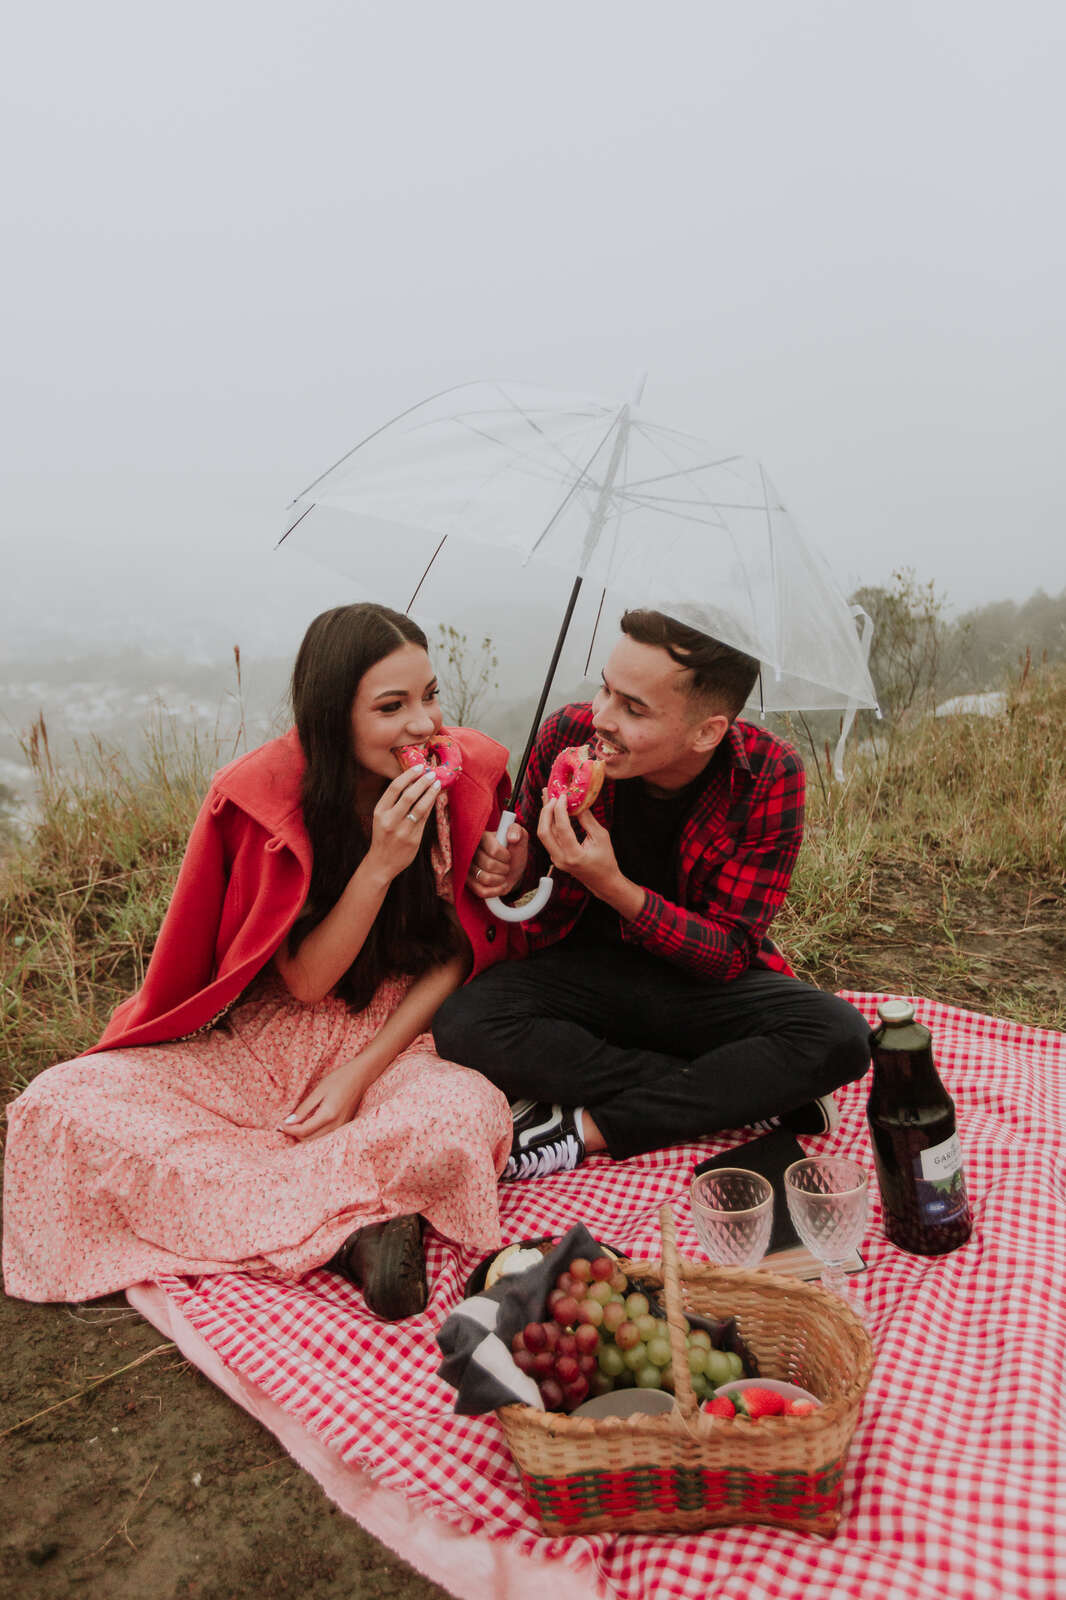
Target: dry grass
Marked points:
82	898
964	800
957	800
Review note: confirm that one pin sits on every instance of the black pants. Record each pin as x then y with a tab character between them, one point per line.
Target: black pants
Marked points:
657	1055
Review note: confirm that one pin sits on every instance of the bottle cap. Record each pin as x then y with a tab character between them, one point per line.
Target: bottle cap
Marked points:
895	1012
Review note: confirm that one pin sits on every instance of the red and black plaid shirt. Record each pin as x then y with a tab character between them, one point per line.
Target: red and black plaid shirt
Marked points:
735	856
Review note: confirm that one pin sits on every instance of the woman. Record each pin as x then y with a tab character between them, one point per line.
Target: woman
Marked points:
270	1098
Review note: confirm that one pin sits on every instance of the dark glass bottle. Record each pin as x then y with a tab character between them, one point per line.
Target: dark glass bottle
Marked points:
916	1148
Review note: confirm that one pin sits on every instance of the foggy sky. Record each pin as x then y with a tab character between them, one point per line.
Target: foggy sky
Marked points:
237	237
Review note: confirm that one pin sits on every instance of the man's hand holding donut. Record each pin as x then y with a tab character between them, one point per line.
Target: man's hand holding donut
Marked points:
496	868
591	861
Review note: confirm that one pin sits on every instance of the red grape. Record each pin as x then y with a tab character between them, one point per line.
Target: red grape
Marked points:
534	1336
587	1337
567	1345
576	1392
590	1314
519	1343
552	1334
574	1287
587	1364
566	1368
619	1282
613	1316
554	1297
627	1336
581	1269
551	1392
602	1268
565	1311
543	1363
525	1361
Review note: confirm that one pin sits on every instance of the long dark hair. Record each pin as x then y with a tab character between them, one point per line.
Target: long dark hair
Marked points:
415	929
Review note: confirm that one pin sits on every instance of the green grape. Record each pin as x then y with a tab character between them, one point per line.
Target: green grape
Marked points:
637	1306
697	1360
647	1376
636	1356
666	1377
700	1337
736	1366
647	1326
659	1351
610	1359
719	1368
625	1379
700	1387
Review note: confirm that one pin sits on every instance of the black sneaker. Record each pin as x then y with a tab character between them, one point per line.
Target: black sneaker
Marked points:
545	1140
816	1116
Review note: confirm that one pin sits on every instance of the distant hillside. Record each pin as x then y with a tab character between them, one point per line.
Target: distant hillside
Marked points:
116	697
119	696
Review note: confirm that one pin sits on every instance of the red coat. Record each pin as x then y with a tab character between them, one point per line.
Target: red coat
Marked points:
245	876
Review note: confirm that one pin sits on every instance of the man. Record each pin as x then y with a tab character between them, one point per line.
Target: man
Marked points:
652	1008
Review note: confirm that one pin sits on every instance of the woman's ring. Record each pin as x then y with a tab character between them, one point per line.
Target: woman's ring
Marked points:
477	874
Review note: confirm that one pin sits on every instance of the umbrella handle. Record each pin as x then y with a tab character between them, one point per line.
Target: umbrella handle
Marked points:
527	908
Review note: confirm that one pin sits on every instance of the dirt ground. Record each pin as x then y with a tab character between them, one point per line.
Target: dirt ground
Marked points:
153	1485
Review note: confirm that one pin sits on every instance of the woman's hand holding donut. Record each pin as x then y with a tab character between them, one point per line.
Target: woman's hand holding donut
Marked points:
496	867
399	820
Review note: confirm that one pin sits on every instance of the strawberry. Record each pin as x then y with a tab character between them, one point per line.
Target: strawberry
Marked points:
756	1402
800	1408
721	1406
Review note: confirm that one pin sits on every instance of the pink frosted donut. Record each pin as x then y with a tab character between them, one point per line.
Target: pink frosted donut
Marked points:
442	753
578	774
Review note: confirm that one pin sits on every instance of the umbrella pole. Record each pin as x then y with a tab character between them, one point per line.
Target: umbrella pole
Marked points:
592	534
528	751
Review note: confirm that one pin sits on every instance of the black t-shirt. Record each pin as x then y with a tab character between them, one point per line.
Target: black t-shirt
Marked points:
645	830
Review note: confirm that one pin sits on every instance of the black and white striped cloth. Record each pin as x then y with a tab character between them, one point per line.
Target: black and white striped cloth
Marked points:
476	1339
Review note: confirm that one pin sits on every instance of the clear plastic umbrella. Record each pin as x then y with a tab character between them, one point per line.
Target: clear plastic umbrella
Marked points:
642	514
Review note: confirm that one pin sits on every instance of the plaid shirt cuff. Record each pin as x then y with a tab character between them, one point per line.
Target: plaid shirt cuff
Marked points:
693	942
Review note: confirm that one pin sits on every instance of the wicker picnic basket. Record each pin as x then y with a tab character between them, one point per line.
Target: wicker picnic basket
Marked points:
686	1470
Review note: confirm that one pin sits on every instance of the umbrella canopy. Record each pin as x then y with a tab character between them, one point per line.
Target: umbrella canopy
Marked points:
642	514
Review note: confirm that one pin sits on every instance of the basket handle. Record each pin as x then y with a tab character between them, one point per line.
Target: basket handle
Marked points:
684	1393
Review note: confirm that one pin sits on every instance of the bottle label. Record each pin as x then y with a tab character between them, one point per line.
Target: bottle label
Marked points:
942	1160
941	1187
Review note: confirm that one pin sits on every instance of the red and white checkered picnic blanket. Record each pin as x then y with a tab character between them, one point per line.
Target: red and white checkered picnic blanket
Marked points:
956	1467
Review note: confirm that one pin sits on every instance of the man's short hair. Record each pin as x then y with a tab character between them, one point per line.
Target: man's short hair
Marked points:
719	674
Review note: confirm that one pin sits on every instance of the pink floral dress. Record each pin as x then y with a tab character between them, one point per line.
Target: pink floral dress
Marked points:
167	1158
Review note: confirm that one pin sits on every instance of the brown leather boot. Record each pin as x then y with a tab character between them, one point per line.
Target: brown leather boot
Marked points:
385	1260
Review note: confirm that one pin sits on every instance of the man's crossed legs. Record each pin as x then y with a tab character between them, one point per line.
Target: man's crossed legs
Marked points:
655	1055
